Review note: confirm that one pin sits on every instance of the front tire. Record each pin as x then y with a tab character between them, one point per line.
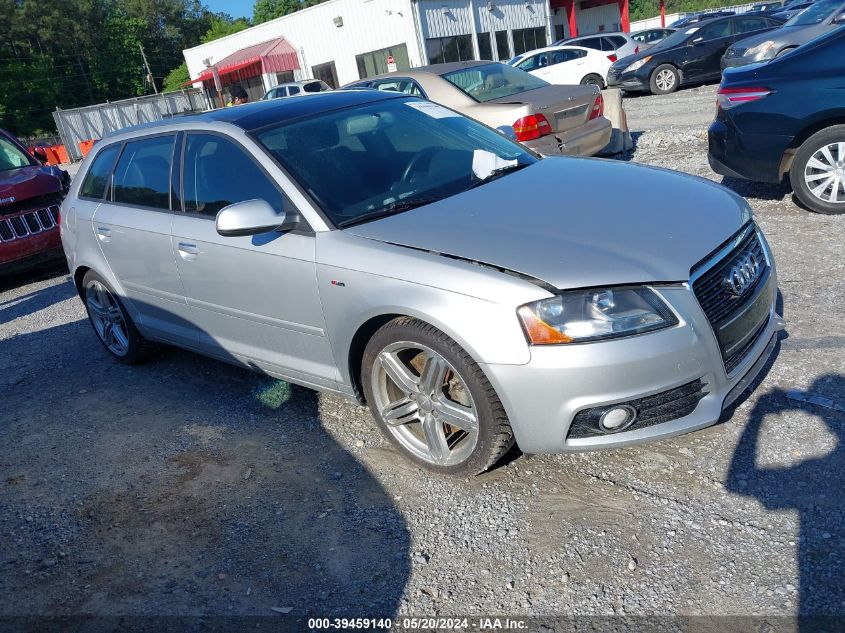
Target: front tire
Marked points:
432	401
111	321
593	80
664	79
818	171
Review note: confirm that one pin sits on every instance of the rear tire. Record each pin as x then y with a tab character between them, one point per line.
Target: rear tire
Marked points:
432	401
593	80
818	171
664	79
112	323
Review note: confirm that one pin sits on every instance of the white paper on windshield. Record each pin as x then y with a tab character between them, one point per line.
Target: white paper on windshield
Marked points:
431	109
485	163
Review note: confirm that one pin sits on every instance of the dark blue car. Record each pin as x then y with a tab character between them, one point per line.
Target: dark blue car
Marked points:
787	117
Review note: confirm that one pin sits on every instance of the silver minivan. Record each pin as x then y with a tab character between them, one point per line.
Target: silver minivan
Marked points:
393	251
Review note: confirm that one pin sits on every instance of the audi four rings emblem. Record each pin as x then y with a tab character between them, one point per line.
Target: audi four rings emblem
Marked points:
743	275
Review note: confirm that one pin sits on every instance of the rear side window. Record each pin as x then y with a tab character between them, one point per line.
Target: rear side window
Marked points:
142	175
210	162
747	25
97	178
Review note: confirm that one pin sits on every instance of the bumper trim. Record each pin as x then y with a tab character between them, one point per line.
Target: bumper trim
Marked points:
756	368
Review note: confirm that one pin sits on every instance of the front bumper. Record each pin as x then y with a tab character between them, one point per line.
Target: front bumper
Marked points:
637	81
542	397
585	140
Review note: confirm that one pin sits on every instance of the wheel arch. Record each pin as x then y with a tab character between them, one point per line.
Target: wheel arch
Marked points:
78	276
819	123
372	322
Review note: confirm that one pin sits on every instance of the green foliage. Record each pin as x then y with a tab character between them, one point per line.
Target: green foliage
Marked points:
222	25
642	9
68	53
264	10
176	78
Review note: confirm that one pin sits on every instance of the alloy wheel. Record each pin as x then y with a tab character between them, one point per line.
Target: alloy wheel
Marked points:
107	318
425	403
824	173
665	79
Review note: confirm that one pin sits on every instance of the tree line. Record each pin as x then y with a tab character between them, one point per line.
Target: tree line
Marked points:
71	53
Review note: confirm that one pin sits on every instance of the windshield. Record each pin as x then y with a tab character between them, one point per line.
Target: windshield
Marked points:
11	157
815	13
676	39
388	156
493	81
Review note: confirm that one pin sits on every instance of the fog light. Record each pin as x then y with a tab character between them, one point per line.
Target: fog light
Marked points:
617	418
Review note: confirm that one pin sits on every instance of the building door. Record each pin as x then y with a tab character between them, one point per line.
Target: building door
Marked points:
326	72
375	62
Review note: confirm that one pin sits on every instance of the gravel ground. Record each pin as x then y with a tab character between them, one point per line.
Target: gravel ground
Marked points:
187	487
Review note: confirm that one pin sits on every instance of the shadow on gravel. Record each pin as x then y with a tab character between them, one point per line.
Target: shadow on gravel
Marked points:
11	309
813	488
38	273
758	190
182	487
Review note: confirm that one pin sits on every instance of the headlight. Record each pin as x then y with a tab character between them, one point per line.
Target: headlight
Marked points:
590	315
638	64
766	50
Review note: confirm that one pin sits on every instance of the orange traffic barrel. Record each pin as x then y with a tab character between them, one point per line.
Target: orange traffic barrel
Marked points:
52	156
85	147
61	152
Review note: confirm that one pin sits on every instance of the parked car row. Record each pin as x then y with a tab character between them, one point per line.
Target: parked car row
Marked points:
689	55
385	248
700	50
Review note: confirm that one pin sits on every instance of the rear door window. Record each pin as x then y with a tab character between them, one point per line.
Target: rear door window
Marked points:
293	90
209	185
142	175
591	42
747	25
617	41
97	178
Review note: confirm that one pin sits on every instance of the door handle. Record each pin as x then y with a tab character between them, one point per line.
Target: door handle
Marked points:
187	251
104	233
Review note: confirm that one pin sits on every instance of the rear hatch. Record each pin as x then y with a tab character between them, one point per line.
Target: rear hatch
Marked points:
565	107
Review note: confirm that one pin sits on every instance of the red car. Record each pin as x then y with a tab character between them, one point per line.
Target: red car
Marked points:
30	195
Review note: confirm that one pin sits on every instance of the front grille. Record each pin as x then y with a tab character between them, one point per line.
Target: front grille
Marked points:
710	289
651	410
721	305
733	360
29	223
37	202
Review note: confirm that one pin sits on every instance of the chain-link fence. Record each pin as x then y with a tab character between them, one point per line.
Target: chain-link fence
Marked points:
94	122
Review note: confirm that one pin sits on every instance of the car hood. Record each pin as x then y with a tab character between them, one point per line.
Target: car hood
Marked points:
27	182
576	222
783	36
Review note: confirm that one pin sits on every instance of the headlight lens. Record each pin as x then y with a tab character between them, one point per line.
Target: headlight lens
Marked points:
638	64
765	50
591	315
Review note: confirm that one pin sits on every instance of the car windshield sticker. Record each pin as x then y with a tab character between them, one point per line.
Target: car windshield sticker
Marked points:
432	109
485	163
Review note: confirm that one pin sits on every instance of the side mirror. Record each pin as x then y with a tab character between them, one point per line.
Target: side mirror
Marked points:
252	217
507	131
40	155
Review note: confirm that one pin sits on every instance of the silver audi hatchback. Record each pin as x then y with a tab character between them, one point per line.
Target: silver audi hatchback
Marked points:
393	251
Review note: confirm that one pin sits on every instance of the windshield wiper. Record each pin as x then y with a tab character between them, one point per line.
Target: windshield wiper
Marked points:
498	173
393	208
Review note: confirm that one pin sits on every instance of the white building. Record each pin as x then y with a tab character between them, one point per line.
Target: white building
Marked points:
340	41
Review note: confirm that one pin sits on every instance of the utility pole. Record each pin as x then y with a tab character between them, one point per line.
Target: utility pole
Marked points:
149	72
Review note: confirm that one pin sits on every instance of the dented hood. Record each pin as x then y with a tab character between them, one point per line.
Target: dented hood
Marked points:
575	222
